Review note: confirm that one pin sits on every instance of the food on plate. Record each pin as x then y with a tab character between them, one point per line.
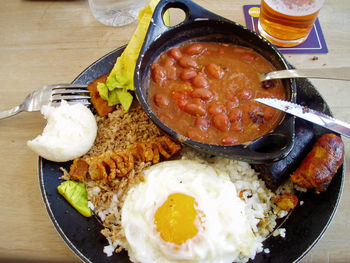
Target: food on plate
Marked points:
114	164
196	185
119	130
69	133
286	201
236	194
321	163
121	79
75	193
205	91
193	207
275	173
185	210
100	104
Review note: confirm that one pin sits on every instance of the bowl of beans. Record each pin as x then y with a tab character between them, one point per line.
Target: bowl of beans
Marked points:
198	80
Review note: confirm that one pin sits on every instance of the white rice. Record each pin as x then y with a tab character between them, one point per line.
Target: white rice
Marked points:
260	209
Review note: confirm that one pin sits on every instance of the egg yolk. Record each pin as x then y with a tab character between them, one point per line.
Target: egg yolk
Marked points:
176	218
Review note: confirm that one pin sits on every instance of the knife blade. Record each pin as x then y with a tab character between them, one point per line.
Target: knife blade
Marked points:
308	114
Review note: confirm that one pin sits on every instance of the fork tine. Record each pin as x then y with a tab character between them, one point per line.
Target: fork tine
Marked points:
68	91
86	103
69	86
69	97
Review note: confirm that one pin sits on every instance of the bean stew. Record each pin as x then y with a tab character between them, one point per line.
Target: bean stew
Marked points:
205	91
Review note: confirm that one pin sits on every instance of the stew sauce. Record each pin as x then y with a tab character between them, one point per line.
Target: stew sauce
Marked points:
205	91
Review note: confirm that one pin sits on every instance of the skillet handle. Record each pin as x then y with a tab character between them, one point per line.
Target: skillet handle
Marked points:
192	12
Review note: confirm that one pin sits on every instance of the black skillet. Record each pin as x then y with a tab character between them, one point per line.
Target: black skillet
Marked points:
202	25
304	227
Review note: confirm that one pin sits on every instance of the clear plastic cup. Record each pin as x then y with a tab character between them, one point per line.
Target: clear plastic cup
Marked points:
116	12
288	22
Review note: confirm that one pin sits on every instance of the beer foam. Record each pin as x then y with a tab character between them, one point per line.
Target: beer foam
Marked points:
295	7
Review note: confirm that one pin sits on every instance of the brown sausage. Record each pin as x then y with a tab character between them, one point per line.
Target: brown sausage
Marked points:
321	163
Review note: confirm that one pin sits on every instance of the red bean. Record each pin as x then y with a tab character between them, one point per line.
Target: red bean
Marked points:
188	62
207	52
194	49
175	53
221	122
187	74
202	123
245	94
221	51
233	103
179	95
215	70
169	61
235	115
158	73
253	107
239	50
236	126
268	113
215	95
171	72
198	101
161	100
182	103
202	93
195	109
216	108
200	81
249	57
229	140
196	134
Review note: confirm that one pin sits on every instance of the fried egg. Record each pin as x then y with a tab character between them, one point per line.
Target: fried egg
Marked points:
185	211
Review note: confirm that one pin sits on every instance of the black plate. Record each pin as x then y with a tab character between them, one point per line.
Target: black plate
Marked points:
305	225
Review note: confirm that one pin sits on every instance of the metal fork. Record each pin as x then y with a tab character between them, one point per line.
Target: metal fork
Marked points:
50	94
318	73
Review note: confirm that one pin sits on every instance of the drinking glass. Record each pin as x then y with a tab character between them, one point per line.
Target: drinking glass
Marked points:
288	23
116	12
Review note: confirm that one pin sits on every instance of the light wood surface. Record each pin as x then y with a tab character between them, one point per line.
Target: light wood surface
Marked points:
45	42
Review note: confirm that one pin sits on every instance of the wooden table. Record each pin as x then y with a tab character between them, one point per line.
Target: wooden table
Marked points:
43	42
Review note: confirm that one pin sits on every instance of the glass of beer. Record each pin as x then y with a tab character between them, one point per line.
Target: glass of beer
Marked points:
287	23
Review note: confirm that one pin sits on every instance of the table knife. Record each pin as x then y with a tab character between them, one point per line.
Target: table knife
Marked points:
308	114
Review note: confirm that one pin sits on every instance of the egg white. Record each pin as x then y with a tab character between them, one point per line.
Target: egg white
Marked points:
226	236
